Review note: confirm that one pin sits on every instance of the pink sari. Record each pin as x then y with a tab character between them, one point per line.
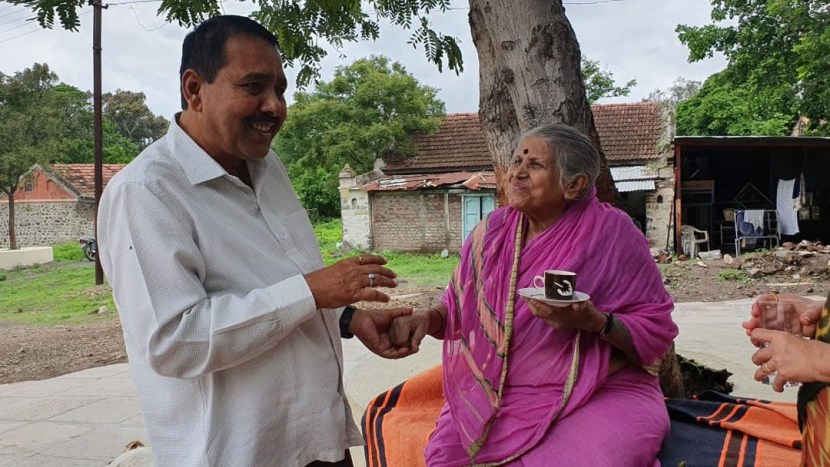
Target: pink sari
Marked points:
615	268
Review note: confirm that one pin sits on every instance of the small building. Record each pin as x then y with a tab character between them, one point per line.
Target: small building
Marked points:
432	200
54	204
787	177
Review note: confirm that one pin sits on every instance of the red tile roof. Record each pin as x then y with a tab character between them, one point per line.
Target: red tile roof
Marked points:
81	177
628	132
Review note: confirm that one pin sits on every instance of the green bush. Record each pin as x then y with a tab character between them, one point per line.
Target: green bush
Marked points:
2	276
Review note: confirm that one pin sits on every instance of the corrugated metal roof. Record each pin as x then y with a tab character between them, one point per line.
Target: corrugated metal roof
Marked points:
634	185
469	180
634	172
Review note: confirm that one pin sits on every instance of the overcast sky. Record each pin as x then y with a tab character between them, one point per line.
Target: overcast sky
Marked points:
634	39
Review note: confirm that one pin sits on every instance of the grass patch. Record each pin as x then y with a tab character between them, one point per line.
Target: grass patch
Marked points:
68	252
421	268
56	293
733	275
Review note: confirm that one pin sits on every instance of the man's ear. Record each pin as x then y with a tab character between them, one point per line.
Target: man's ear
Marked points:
576	187
192	84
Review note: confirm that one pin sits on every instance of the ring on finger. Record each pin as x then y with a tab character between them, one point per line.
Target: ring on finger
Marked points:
371	279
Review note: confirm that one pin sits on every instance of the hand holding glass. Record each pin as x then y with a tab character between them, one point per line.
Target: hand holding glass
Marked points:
780	315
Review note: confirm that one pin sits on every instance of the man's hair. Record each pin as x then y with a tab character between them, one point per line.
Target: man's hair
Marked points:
203	49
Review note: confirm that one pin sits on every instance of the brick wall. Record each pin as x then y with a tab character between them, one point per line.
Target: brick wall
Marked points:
427	220
47	223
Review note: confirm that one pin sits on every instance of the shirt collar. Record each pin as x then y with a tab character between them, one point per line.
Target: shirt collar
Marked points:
197	164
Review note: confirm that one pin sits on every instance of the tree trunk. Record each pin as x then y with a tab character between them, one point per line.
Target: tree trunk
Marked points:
529	74
12	233
529	69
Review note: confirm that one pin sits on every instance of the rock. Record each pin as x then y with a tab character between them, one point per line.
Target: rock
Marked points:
754	273
702	264
445	253
710	255
103	309
727	259
682	257
806	254
790	246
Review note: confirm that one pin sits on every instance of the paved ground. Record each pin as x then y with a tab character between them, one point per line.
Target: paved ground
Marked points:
86	418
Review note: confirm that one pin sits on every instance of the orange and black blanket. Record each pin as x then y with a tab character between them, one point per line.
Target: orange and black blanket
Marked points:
712	429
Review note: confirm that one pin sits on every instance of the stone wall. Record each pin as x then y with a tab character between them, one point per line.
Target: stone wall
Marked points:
426	220
43	223
659	210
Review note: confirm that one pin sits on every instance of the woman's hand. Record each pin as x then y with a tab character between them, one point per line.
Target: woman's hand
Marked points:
809	317
410	330
350	281
582	315
793	358
374	329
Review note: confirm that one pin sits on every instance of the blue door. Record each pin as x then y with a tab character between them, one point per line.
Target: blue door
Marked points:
476	208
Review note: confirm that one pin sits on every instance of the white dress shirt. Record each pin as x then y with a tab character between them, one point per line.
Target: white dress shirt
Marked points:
233	363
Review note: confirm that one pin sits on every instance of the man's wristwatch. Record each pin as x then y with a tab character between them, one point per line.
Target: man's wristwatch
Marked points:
346	321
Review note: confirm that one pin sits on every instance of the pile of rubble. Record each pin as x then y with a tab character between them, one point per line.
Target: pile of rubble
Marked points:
803	261
799	261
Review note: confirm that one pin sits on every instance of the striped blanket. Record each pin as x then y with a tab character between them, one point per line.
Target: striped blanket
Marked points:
711	430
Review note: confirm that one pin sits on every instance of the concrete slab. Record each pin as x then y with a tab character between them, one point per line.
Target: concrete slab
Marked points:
36	389
107	410
118	370
105	386
38	437
103	443
39	460
7	425
26	256
43	408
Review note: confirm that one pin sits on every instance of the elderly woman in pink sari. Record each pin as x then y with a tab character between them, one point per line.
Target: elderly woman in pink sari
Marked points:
530	384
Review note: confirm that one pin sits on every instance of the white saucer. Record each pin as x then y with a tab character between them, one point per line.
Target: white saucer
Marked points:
536	294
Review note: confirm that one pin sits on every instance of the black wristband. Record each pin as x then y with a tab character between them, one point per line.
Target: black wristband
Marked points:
346	321
609	325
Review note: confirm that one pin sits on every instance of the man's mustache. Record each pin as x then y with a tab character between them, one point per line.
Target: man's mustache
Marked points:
264	119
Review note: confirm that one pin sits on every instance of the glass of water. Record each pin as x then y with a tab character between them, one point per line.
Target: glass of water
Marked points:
780	314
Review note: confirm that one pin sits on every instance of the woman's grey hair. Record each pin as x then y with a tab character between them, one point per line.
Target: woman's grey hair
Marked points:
573	152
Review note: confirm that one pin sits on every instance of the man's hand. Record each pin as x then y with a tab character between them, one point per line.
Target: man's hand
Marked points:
372	327
351	280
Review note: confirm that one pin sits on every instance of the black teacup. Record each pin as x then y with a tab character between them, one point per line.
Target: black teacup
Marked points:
558	285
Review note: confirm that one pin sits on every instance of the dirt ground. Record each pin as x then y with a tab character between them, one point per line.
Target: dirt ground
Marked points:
33	353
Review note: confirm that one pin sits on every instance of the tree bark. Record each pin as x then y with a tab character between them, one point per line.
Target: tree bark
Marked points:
12	233
529	74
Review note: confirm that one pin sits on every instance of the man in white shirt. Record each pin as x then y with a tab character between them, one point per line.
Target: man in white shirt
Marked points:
232	324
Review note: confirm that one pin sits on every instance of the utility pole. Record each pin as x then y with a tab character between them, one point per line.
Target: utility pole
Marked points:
97	128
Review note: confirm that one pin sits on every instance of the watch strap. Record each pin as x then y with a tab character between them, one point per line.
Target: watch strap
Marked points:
346	321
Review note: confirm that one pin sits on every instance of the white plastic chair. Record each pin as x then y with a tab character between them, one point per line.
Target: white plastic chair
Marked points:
691	238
